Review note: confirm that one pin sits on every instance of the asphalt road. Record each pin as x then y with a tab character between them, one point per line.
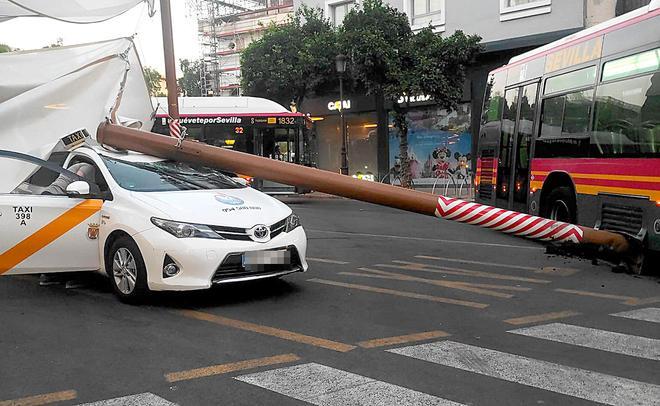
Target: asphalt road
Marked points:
396	309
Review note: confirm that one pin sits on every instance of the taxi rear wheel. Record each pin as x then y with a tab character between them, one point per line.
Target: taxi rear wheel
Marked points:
127	272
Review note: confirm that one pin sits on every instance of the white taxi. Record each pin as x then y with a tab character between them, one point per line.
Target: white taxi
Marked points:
148	223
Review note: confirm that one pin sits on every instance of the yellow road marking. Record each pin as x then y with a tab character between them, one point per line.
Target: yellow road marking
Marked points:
516	321
401	293
48	233
231	367
326	261
468	261
643	301
551	270
545	270
413	266
268	331
408	338
41	399
597	294
478	288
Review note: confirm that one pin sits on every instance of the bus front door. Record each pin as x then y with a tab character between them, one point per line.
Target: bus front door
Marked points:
280	144
514	157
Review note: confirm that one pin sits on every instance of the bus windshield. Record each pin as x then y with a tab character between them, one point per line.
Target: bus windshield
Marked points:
164	176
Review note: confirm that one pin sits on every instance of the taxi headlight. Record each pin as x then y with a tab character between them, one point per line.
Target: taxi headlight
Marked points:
292	222
185	230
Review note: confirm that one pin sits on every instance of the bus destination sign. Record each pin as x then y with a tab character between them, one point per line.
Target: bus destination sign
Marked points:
575	55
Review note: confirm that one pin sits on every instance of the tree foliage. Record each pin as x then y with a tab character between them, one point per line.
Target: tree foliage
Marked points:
293	60
5	48
387	58
153	79
190	83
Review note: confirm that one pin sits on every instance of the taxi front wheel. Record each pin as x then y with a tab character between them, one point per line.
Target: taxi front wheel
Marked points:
127	272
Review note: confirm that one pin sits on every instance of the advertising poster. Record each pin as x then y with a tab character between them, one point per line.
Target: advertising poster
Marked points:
439	144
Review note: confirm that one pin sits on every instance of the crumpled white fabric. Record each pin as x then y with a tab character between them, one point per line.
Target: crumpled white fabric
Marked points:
73	11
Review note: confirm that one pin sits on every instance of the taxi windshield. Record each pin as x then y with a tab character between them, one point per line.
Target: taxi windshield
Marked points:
163	176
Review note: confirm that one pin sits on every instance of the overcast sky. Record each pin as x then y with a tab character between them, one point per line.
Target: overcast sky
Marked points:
36	32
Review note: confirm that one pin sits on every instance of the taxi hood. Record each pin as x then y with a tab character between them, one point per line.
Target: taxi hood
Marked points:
243	208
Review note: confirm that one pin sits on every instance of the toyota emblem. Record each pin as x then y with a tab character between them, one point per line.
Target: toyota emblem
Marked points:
260	232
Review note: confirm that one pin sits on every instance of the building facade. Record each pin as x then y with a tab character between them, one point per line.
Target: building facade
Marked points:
440	139
225	29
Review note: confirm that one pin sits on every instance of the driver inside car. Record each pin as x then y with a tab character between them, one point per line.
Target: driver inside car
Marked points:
82	169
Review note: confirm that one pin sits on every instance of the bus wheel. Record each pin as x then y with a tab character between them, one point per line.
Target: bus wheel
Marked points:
560	205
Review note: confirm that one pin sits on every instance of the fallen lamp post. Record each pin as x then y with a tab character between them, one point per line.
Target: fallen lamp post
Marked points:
506	221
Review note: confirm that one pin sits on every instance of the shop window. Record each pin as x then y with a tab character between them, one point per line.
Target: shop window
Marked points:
425	12
514	9
627	118
336	10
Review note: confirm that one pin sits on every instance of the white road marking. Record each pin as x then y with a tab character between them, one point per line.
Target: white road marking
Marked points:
401	237
576	382
321	385
326	261
142	399
610	341
651	314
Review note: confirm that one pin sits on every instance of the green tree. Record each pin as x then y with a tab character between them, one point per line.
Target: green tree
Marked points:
190	83
388	59
293	60
153	79
5	48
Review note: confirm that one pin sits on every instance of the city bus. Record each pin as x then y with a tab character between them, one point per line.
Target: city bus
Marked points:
246	124
571	130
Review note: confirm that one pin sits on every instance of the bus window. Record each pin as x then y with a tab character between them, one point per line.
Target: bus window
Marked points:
571	80
627	119
644	62
523	141
565	125
493	98
506	142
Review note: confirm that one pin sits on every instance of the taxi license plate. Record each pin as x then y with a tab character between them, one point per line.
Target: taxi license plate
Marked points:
272	257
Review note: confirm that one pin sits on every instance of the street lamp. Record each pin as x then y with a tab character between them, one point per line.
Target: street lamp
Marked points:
340	64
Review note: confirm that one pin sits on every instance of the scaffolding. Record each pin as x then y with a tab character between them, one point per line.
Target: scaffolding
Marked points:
225	28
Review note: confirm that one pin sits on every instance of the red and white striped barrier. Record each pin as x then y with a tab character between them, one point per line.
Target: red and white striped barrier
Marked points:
506	221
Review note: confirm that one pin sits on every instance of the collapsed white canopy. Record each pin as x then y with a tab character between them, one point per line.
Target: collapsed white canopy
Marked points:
49	93
74	11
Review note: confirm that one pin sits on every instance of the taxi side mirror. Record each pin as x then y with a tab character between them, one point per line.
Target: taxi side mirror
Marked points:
79	188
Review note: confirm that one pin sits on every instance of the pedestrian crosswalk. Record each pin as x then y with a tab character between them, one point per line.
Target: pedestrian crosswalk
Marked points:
642	347
318	384
142	399
651	314
580	383
321	385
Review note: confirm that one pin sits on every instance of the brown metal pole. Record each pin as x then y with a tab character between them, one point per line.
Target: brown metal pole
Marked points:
170	63
333	183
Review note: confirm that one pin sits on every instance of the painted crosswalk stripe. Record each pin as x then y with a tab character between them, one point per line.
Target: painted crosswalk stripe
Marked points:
651	314
142	399
321	385
576	382
610	341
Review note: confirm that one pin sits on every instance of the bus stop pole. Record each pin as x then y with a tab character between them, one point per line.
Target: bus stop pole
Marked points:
519	224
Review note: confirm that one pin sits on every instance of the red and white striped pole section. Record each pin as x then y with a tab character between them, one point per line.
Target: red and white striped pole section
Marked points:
506	221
